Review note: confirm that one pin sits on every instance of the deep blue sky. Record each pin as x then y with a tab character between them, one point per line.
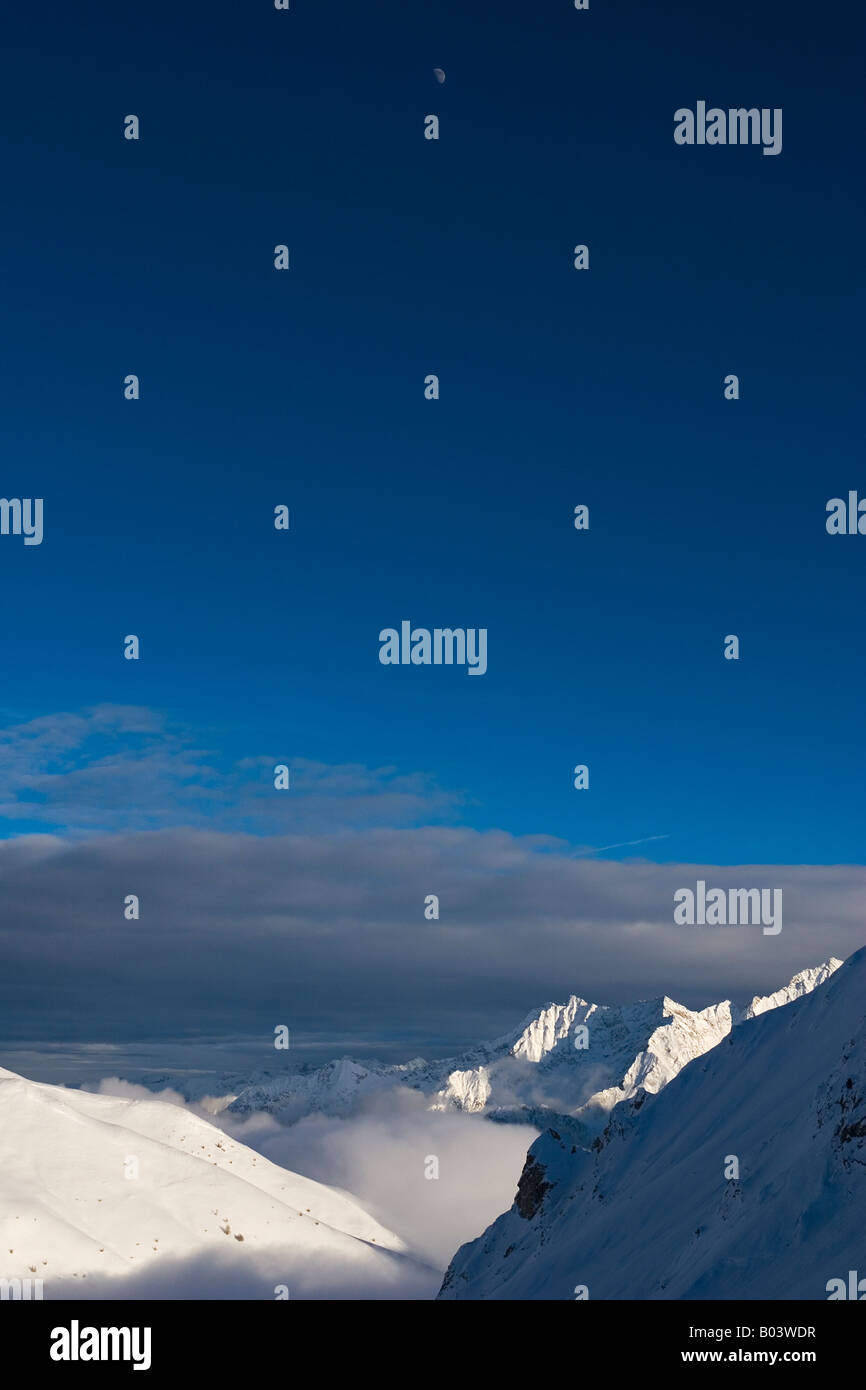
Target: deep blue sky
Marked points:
409	257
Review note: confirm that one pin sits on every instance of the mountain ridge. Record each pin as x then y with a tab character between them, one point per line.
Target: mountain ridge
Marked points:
741	1178
533	1070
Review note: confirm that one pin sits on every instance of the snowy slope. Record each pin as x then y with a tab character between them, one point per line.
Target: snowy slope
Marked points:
649	1213
68	1212
536	1070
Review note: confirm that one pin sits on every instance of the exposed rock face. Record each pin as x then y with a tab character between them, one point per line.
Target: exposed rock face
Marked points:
841	1106
531	1188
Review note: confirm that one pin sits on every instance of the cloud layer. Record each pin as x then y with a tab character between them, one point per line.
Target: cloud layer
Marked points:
306	908
327	935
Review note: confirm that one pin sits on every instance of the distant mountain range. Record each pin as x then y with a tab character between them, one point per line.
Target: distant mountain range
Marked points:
574	1060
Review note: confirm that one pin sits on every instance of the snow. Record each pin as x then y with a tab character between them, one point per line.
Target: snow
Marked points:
648	1211
641	1211
68	1212
801	984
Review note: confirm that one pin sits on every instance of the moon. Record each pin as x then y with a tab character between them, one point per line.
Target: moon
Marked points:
439	75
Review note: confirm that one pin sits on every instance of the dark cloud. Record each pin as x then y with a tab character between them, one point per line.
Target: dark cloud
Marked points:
326	933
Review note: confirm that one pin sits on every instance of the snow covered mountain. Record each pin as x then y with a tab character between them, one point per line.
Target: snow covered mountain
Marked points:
745	1177
574	1059
801	984
92	1186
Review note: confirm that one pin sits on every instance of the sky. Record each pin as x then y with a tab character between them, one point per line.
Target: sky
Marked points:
306	388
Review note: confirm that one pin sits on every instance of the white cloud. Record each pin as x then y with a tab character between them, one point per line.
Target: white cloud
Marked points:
379	1154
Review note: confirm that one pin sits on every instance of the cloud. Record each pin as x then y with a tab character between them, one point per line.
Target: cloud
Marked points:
306	908
120	768
380	1155
326	934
